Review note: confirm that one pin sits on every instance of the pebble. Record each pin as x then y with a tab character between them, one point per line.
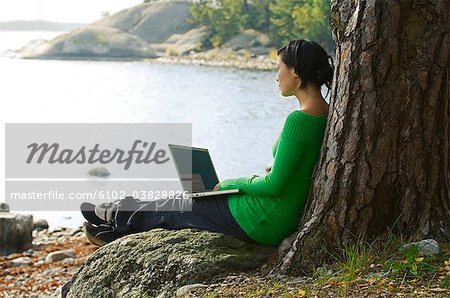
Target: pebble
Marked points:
60	255
187	288
28	252
99	172
427	247
76	231
4	207
40	224
22	261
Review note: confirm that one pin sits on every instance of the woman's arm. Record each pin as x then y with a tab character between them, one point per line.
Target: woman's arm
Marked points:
287	159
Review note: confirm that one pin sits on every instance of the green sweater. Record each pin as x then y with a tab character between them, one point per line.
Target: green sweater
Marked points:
269	207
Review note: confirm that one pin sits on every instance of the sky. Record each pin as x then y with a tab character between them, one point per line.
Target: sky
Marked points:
78	11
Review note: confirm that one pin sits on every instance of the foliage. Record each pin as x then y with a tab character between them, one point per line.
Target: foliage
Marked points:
282	20
413	264
259	15
382	264
223	19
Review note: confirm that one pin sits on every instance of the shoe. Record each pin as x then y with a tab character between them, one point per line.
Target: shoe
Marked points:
99	235
105	211
88	211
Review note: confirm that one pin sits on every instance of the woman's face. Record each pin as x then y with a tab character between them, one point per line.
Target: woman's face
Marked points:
288	80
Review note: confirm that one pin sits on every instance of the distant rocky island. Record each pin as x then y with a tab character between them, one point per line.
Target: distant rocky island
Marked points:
38	26
156	31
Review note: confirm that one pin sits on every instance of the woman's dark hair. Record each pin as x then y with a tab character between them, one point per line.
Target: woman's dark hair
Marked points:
310	61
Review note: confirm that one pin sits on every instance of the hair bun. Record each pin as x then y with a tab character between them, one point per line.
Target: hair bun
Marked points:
325	75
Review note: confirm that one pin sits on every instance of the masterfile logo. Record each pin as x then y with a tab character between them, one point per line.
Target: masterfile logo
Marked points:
49	165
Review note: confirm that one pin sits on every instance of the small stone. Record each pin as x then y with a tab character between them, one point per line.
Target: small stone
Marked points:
426	247
68	261
4	207
76	231
99	172
60	255
16	232
187	288
29	252
22	261
40	224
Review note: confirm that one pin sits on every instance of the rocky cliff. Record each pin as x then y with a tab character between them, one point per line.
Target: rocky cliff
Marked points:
142	31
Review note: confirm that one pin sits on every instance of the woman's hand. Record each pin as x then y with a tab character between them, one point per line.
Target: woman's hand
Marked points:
216	187
268	168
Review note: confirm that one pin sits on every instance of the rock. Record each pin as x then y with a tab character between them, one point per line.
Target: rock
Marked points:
153	22
99	172
181	44
22	261
60	255
92	42
40	224
29	252
15	232
127	34
160	260
76	231
249	38
187	288
4	207
427	247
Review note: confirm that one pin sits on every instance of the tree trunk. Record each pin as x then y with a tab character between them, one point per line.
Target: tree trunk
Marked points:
385	157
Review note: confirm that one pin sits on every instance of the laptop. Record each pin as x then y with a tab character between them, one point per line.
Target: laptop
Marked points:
199	177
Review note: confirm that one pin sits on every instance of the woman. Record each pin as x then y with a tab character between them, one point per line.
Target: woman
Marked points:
269	207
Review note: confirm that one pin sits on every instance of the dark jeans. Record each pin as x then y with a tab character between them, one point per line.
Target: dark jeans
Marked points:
208	213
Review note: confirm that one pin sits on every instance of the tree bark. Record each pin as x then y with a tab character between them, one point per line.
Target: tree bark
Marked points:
385	157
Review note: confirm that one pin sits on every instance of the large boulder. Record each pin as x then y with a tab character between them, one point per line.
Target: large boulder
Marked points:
154	22
159	261
247	39
15	232
92	42
128	34
181	44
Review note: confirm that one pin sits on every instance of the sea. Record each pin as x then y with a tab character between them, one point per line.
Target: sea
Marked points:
237	114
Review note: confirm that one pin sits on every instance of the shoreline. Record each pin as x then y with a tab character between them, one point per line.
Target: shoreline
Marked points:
262	63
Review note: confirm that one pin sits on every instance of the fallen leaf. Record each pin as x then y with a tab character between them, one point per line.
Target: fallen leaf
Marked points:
419	259
391	286
301	293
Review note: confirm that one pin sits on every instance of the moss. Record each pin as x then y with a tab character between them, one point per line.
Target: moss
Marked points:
153	260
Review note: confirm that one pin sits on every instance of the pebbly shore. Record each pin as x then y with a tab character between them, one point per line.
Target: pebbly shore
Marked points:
53	258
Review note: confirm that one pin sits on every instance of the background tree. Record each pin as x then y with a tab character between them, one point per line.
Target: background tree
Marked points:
312	19
385	157
222	18
259	15
282	20
282	28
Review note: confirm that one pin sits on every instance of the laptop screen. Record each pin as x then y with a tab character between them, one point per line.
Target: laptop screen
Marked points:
201	174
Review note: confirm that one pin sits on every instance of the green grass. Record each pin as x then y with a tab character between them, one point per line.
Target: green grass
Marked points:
358	259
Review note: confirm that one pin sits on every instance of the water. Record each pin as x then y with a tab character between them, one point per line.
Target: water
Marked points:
236	114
